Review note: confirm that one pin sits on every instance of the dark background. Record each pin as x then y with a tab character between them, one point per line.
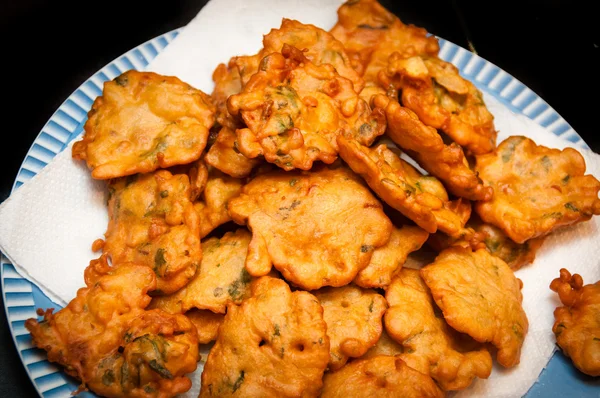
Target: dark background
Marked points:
50	47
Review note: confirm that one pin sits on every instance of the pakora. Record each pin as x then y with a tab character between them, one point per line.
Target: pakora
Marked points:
387	260
106	339
272	345
317	228
221	279
537	189
429	344
353	318
479	295
152	221
227	82
381	376
423	199
384	346
425	145
207	324
577	323
144	121
225	156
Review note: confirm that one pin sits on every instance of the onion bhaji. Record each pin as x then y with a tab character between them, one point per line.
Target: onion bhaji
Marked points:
225	156
353	318
295	109
429	344
221	279
421	198
227	82
536	189
317	228
153	222
106	339
207	324
425	145
577	324
272	345
142	122
387	260
382	376
479	295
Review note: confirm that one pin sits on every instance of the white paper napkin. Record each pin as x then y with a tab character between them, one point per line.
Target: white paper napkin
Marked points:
48	225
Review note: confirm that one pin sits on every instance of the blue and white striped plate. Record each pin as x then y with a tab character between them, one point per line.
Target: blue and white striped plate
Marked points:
21	298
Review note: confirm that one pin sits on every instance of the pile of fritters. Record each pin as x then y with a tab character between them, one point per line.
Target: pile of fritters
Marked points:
274	218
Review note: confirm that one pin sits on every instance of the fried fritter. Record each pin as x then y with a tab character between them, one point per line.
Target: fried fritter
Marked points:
142	122
429	344
371	34
212	206
442	99
222	278
423	199
106	339
318	228
295	109
223	155
227	82
272	345
577	324
381	376
153	222
387	260
384	346
425	145
207	324
537	189
353	318
480	296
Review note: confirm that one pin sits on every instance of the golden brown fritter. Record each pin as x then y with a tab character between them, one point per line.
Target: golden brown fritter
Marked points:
106	339
142	122
272	345
207	324
429	344
222	278
387	260
212	205
480	296
537	189
153	222
318	228
577	324
425	145
353	318
384	346
442	99
295	109
371	34
224	155
423	199
381	376
227	82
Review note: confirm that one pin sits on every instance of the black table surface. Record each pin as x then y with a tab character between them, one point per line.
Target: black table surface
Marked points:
51	47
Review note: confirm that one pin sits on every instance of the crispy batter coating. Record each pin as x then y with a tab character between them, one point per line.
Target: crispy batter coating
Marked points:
442	99
387	260
272	345
142	122
224	155
207	324
577	324
429	344
425	145
480	296
152	222
381	376
537	189
222	278
423	199
227	82
353	318
384	346
106	339
212	206
318	228
294	110
371	34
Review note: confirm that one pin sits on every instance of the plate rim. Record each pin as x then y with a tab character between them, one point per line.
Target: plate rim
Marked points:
67	121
